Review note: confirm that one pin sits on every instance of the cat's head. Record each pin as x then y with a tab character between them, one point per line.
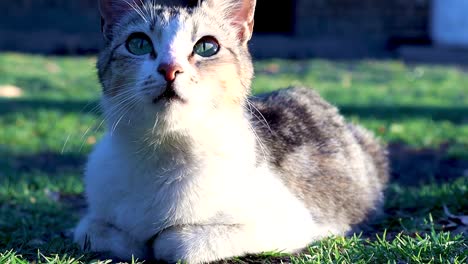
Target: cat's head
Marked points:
176	62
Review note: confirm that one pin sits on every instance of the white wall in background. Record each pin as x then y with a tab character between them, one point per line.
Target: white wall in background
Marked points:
449	23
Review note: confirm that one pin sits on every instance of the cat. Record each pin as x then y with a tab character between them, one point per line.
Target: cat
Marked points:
194	168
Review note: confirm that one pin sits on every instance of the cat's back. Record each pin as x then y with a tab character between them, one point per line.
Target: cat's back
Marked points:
337	169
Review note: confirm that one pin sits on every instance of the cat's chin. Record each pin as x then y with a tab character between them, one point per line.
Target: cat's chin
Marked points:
168	96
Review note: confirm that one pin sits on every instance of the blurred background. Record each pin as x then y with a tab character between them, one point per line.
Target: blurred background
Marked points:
411	29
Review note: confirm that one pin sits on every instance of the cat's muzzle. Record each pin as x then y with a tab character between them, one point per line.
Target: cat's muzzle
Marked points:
169	94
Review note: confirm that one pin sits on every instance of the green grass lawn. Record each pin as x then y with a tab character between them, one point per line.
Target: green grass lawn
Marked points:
420	111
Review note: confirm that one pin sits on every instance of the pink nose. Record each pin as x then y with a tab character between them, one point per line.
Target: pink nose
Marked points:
169	71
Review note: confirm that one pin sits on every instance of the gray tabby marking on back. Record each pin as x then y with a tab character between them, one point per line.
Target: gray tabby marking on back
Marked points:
317	153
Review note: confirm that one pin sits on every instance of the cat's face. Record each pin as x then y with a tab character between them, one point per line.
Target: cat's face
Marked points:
174	65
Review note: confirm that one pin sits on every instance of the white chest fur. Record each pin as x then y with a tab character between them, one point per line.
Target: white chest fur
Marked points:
143	197
218	183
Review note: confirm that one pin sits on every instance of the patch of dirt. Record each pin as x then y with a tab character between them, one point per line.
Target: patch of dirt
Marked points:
52	67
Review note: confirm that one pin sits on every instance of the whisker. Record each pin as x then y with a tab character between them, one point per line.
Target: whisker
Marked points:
95	131
145	8
116	124
65	144
127	108
265	122
83	138
155	124
259	141
135	7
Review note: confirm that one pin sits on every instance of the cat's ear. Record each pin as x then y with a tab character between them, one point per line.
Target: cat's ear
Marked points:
240	13
112	11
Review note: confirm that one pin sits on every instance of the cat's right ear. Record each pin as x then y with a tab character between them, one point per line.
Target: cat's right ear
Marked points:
111	12
240	13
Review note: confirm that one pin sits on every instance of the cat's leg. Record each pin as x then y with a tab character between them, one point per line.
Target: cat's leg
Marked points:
206	243
95	235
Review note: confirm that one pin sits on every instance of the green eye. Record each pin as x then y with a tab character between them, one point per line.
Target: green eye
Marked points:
206	47
139	44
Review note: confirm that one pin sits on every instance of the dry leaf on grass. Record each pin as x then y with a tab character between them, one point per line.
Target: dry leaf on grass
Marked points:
457	219
458	223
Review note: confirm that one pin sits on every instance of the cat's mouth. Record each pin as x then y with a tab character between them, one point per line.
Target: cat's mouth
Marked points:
168	95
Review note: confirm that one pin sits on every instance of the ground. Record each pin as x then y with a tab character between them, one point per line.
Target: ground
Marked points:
49	121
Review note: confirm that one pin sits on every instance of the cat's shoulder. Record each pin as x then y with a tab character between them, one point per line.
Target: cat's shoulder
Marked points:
297	101
296	109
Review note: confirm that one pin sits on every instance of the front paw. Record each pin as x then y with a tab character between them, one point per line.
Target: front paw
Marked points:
195	244
171	246
98	236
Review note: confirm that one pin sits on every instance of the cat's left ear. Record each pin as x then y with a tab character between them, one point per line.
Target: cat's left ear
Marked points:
112	11
240	13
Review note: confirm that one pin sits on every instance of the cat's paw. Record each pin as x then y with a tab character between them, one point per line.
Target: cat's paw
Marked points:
171	246
97	236
187	244
195	244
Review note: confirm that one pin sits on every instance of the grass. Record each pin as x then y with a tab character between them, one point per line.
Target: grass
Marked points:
419	110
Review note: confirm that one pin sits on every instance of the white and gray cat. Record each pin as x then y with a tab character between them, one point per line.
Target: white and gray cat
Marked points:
192	168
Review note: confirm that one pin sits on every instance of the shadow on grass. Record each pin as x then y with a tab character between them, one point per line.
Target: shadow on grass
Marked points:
414	167
29	227
49	163
34	83
453	114
8	106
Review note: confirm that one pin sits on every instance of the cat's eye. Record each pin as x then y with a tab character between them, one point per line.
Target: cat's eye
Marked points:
206	47
139	44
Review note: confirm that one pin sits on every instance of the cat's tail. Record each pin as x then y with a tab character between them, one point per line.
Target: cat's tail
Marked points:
374	148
